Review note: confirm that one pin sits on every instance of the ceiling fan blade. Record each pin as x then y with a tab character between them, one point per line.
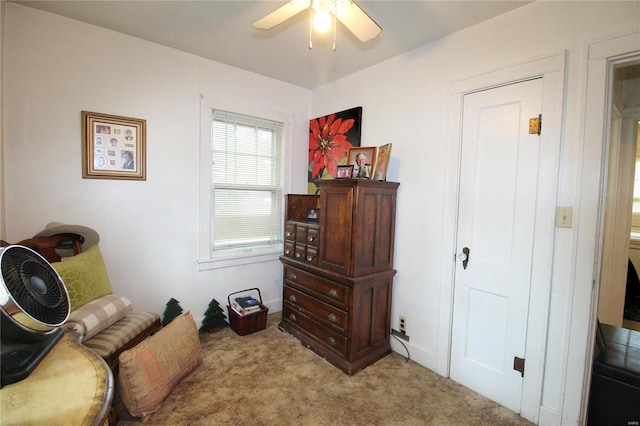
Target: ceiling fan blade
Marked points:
358	22
281	14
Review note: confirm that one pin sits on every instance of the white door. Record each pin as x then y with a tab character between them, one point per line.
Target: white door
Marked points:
498	182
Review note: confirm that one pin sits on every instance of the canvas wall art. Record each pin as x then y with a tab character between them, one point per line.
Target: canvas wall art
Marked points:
330	138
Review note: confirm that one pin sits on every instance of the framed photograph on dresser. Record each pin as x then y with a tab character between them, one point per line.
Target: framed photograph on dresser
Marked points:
362	159
344	172
313	214
382	162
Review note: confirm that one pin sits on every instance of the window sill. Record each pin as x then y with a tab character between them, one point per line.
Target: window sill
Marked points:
239	258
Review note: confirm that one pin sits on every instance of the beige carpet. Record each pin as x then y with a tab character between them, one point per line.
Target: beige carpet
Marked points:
269	378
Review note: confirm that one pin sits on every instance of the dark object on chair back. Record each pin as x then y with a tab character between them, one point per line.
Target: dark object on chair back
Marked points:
47	246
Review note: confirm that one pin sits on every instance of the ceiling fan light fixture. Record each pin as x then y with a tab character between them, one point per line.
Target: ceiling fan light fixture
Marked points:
322	21
346	11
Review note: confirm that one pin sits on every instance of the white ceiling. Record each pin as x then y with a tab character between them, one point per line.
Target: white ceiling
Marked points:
222	31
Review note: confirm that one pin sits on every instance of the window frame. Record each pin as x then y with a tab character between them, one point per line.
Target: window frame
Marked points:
207	258
634	233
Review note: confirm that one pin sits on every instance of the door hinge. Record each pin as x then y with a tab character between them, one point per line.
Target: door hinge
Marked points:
535	125
518	365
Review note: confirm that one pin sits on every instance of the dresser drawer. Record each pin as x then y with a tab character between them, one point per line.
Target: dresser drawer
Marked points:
289	249
312	255
300	252
313	236
324	335
323	312
301	233
290	231
329	291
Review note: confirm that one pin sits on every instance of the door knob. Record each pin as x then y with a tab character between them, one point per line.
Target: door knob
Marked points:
464	257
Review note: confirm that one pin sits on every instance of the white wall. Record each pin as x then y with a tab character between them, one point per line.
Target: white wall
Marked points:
54	69
2	204
405	101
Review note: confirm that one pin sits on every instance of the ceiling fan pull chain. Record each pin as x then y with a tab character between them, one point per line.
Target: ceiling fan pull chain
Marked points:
310	27
335	22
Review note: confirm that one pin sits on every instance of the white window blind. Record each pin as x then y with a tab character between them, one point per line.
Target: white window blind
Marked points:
247	181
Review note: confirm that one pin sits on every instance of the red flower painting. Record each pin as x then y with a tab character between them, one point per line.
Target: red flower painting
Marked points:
328	144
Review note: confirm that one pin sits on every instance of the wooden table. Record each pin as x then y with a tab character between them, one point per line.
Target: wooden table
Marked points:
71	386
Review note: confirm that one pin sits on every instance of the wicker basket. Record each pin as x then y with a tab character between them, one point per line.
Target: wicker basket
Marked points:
247	323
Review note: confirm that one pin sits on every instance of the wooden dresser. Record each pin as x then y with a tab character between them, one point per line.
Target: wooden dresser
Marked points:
338	273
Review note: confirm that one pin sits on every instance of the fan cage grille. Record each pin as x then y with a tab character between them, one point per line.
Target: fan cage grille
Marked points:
34	286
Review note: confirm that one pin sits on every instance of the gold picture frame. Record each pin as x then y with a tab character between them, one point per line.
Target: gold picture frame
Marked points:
370	160
113	147
382	162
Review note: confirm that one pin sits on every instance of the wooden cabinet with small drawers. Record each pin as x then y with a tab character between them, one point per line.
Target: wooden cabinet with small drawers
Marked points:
338	274
301	241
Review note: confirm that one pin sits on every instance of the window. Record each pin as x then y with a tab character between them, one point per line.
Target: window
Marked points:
242	166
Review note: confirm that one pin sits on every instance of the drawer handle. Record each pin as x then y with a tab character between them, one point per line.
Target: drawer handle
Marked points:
333	318
311	239
309	258
292	317
332	341
292	298
287	251
333	292
293	276
298	255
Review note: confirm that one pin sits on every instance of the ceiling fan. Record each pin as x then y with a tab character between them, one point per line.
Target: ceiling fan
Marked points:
349	13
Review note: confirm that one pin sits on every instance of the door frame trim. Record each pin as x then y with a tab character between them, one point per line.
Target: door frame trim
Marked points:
552	70
600	56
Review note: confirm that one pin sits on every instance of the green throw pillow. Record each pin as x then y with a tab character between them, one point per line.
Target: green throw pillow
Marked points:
85	276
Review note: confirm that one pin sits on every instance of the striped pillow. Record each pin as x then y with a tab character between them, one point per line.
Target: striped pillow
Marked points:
93	317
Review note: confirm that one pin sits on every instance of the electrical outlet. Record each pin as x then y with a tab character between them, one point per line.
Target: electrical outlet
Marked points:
403	324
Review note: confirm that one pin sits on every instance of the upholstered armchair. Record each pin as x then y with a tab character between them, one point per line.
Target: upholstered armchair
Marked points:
105	322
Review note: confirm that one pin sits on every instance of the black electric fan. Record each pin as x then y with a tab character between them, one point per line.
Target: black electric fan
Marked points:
34	303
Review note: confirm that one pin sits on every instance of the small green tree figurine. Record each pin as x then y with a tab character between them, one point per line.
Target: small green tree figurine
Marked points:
172	310
214	317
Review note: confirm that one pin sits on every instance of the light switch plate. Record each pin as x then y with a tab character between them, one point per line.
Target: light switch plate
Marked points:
564	217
